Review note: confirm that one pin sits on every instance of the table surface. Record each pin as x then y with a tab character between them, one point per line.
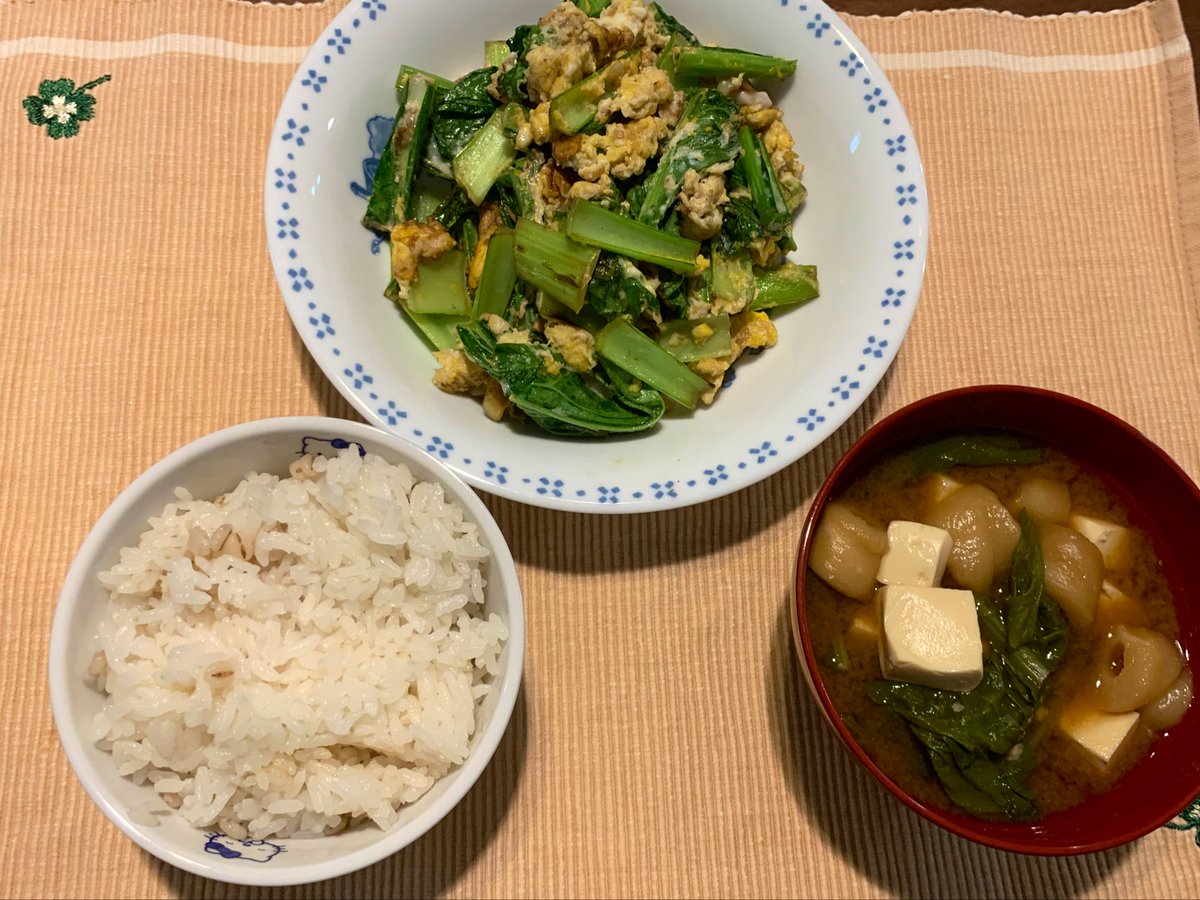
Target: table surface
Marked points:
1190	10
536	780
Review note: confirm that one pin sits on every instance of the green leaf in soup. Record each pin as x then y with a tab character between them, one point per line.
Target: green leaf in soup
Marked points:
975	449
1027	579
989	717
981	784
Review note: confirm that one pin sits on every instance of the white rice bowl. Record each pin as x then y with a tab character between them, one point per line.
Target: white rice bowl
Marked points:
298	679
299	654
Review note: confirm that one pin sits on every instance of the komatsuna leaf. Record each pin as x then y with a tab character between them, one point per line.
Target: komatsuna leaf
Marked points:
1026	580
971	450
705	135
560	403
461	111
614	290
511	82
981	784
987	718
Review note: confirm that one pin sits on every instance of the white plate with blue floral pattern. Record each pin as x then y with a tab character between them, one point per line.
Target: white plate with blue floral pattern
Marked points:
865	226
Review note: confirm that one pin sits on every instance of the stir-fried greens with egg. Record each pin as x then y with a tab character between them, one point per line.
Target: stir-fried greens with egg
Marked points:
593	226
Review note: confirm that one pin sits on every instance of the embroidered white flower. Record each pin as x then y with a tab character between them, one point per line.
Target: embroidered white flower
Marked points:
60	110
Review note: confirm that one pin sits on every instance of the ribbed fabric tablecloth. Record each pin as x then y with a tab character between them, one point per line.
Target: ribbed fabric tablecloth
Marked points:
664	744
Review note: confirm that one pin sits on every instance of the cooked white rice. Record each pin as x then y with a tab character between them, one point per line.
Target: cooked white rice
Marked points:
299	654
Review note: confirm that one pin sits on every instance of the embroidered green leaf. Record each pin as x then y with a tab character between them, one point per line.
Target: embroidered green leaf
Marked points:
60	106
1188	819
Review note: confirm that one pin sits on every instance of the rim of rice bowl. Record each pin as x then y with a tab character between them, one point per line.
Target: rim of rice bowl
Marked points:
208	467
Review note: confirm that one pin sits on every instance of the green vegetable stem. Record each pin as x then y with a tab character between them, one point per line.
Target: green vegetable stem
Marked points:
554	263
624	346
722	62
591	223
391	194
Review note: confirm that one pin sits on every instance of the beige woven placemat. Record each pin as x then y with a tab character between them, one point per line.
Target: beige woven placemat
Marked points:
664	744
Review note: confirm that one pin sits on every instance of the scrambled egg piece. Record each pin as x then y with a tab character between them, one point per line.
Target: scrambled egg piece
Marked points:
700	202
760	117
576	45
489	221
749	329
593	190
638	95
456	374
577	346
630	21
621	151
788	168
414	243
503	332
567	56
551	190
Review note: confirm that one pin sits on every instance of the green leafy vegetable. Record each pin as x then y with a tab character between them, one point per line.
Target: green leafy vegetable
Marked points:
438	331
705	136
839	656
454	211
971	450
669	25
486	156
552	262
683	341
631	392
575	108
724	62
561	403
592	7
391	192
495	53
770	204
510	82
461	111
499	276
441	286
618	288
623	345
784	285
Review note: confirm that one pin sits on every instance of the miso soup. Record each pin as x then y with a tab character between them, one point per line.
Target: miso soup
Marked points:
1076	648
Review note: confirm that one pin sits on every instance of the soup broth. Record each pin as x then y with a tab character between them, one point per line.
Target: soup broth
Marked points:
849	659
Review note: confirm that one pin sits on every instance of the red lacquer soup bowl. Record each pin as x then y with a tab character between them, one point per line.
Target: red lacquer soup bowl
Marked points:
1158	496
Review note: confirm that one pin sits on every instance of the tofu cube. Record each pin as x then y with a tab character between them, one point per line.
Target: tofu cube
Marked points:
916	554
1101	734
929	636
1112	540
